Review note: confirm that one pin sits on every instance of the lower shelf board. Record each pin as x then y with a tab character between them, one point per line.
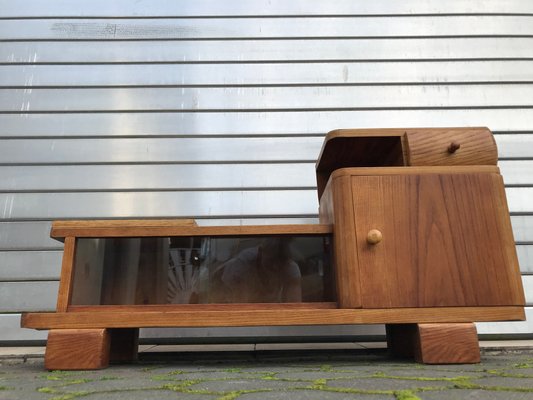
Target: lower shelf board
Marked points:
264	317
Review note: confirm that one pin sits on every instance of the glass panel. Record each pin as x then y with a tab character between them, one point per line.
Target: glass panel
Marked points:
193	270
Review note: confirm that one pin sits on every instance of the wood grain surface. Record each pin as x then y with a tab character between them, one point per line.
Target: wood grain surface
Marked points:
447	344
163	228
167	318
336	207
63	228
445	241
473	146
207	307
65	281
442	170
76	349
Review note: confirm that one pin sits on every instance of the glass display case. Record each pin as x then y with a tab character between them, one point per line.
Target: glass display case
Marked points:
202	270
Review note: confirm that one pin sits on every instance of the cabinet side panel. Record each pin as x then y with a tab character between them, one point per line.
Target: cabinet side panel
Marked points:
509	273
336	208
325	208
482	239
64	294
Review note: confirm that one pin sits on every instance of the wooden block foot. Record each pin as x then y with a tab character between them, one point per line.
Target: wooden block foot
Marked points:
435	343
124	345
448	344
77	349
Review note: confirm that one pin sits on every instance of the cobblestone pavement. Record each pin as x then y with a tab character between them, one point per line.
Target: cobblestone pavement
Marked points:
314	375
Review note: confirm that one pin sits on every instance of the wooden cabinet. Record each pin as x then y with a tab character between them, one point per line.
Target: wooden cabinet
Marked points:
420	223
445	238
443	226
422	242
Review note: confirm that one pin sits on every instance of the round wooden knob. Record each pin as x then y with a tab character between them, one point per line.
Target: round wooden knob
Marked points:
453	147
374	236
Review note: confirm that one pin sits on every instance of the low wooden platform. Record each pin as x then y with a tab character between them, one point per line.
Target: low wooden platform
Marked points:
90	336
257	315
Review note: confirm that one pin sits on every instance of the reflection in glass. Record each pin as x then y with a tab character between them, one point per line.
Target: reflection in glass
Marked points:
193	270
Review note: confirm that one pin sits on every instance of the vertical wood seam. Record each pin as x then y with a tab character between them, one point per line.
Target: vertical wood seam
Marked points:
356	245
65	283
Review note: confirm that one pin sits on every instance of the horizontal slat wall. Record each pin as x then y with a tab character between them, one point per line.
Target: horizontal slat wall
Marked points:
273	123
265	28
255	51
217	8
217	111
254	99
265	74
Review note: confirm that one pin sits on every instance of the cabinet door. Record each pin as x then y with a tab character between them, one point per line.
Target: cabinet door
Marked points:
446	241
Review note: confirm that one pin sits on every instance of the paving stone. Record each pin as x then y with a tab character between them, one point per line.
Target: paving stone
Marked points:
524	372
356	369
313	375
26	383
209	374
386	384
244	384
461	394
431	373
25	378
21	393
268	368
118	384
311	395
456	368
506	382
149	394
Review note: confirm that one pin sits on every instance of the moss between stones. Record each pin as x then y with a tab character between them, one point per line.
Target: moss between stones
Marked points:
235	394
46	390
269	376
523	365
184	385
472	386
406	395
420	378
508	375
233	370
62	375
110	378
71	395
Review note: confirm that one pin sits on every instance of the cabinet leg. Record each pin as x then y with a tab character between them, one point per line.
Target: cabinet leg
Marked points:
435	343
124	345
77	349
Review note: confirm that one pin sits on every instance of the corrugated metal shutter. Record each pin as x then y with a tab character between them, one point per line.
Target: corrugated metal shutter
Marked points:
216	110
